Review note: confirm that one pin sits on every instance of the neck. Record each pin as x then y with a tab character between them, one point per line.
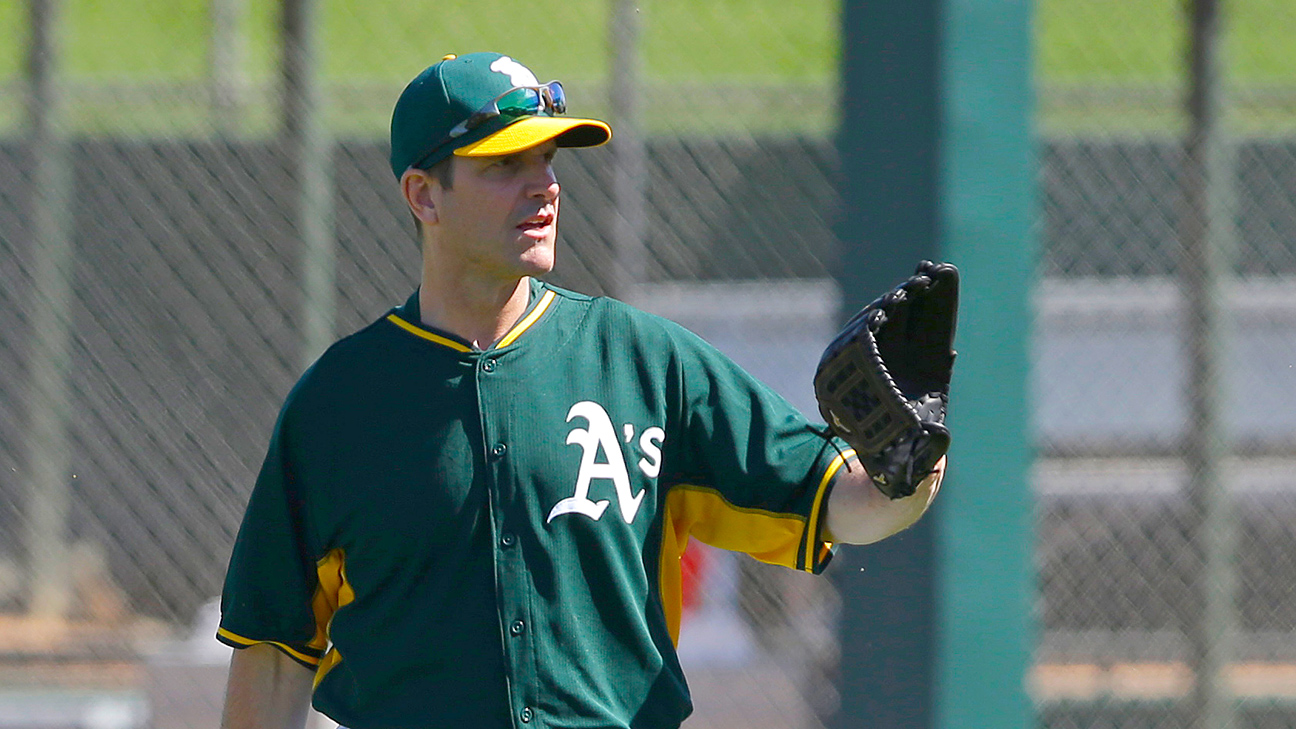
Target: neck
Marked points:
479	310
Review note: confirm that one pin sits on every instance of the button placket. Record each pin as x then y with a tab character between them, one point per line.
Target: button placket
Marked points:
508	560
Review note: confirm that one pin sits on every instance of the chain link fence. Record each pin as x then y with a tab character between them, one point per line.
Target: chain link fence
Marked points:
164	272
143	366
1164	387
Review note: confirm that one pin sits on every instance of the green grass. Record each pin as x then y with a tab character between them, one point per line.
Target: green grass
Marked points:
1108	41
372	47
699	56
391	40
1145	41
1127	60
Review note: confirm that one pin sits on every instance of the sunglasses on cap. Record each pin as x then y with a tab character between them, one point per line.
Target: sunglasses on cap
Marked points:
548	99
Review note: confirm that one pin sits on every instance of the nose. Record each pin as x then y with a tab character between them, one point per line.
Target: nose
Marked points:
545	185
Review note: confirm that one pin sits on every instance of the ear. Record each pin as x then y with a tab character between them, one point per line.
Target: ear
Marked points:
422	191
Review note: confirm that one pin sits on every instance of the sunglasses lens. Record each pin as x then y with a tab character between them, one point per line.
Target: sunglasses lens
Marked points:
558	96
520	102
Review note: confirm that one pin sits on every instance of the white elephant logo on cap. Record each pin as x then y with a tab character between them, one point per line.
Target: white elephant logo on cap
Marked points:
518	74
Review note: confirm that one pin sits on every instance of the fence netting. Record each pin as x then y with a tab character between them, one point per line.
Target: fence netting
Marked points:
155	377
154	323
1164	509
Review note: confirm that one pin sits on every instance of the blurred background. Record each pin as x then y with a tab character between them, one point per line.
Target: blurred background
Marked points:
195	201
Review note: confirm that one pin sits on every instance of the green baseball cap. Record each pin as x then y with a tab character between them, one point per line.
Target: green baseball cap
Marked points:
447	109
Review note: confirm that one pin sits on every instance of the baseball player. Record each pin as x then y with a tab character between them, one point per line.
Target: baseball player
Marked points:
472	510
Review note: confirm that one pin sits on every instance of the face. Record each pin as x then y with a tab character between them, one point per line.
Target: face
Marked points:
499	218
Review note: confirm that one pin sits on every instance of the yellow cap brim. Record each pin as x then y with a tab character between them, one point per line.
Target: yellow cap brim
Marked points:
534	130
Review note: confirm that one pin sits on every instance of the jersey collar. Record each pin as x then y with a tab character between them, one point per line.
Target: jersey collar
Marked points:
409	320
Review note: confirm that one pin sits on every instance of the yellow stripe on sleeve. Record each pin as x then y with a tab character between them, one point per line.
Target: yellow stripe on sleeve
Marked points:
812	527
234	637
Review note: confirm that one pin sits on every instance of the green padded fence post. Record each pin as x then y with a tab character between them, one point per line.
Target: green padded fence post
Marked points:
984	586
887	146
937	161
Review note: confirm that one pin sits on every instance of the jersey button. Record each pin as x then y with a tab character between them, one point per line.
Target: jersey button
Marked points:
499	450
517	627
508	540
526	714
488	365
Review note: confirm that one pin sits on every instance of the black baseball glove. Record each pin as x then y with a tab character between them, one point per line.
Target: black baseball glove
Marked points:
883	383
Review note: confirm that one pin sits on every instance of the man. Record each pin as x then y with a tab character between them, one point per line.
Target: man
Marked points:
472	511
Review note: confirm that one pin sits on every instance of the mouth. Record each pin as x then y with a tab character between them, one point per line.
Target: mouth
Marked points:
538	224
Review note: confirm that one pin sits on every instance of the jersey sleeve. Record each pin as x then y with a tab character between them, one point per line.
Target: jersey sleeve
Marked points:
272	581
751	473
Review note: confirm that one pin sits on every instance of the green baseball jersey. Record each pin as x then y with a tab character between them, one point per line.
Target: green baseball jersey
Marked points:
453	537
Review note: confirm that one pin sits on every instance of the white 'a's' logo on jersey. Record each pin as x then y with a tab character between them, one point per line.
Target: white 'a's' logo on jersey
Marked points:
601	436
518	74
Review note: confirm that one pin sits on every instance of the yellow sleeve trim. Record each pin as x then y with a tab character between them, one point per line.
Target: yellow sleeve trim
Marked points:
233	637
425	334
812	528
526	322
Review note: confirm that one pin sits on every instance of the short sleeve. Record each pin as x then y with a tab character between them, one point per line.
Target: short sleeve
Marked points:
272	579
751	473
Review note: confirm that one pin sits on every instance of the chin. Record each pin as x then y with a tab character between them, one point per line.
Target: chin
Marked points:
538	260
537	268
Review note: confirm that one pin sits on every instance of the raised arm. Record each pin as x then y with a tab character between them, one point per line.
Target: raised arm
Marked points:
858	513
266	690
883	386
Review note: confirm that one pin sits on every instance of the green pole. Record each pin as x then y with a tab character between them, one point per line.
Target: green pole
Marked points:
1204	272
226	48
310	152
48	472
630	160
985	536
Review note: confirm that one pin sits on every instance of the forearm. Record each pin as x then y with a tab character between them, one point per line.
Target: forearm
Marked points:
266	690
860	514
